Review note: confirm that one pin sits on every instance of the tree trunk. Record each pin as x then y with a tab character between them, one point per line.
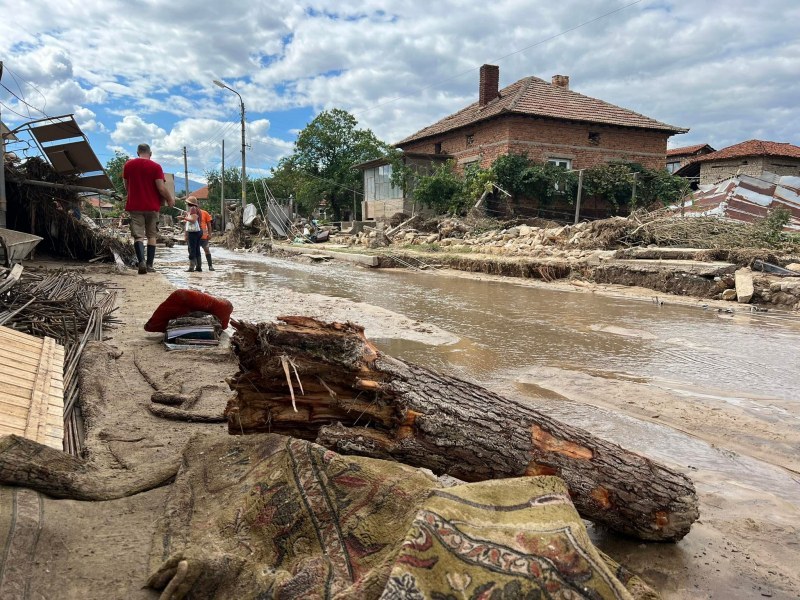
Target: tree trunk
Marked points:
356	400
32	465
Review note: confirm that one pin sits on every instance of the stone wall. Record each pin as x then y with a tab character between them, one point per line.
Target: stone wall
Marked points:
713	172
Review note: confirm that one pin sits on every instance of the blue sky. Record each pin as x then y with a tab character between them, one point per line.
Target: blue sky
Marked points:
729	70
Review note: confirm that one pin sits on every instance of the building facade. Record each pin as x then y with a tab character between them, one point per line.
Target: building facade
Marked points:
752	158
546	121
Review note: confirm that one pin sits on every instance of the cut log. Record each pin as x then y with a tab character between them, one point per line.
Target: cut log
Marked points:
356	400
29	464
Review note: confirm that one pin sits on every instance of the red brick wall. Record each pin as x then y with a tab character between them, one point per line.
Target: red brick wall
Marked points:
548	138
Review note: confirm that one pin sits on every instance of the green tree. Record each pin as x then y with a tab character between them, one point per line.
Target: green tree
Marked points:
114	168
325	152
442	190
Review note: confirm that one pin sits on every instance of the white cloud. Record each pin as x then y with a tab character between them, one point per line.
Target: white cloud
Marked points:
729	73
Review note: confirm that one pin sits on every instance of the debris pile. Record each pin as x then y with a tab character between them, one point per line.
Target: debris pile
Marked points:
53	214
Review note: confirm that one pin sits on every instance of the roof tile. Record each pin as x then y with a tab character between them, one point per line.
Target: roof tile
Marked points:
536	97
753	148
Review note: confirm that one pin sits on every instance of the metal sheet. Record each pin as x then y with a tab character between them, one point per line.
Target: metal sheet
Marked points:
101	182
50	132
80	155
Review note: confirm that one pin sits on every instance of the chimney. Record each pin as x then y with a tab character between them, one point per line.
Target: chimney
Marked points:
561	81
489	86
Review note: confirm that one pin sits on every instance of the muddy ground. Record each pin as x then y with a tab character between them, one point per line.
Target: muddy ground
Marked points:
744	546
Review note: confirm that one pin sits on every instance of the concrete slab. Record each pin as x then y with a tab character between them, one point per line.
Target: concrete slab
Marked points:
361	259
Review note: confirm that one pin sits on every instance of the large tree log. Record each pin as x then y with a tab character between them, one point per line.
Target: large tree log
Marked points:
356	400
29	464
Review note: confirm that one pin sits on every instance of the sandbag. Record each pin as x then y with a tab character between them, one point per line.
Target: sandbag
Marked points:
183	302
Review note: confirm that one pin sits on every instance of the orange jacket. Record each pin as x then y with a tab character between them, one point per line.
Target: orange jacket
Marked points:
205	223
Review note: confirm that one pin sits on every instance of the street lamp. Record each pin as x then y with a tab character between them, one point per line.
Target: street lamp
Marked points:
217	82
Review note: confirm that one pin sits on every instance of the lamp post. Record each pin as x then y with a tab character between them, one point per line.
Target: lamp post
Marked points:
217	82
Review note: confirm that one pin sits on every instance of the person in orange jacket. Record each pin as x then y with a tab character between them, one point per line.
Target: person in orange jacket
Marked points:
205	224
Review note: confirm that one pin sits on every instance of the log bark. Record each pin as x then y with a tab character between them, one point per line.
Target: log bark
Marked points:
32	465
356	400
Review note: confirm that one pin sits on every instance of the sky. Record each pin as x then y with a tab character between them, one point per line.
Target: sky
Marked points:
135	71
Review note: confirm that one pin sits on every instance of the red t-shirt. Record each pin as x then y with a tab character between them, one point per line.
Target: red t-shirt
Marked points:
140	175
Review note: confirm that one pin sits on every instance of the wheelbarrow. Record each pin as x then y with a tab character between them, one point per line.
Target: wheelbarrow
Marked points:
16	245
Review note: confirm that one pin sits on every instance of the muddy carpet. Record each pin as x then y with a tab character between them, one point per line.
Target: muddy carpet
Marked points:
266	516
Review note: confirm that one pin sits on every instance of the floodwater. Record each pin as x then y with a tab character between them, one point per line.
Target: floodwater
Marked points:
509	335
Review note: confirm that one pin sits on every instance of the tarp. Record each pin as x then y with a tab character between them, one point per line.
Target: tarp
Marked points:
268	516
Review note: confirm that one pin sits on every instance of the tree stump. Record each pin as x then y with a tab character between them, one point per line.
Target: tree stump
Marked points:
326	382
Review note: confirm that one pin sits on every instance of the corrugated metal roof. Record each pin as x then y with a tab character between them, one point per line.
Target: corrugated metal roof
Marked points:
748	199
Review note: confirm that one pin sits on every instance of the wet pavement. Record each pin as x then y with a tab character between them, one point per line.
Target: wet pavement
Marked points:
507	333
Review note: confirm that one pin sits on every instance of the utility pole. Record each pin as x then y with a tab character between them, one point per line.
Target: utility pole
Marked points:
578	199
3	202
244	171
185	174
222	187
354	207
221	84
633	191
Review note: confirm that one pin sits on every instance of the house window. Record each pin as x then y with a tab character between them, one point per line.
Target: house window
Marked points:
565	163
378	185
673	166
470	139
594	138
437	148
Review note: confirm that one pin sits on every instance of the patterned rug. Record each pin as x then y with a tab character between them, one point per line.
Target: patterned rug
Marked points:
268	516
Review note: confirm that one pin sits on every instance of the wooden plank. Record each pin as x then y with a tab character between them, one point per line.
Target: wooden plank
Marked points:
19	350
9	333
14	394
13	380
37	415
14	359
18	415
17	372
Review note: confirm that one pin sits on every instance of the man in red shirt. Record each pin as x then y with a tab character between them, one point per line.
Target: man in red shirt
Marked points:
147	191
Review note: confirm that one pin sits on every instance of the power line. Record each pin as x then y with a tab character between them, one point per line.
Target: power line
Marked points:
26	82
4	86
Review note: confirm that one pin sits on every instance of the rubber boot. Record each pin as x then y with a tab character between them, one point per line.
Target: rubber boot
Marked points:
191	265
151	255
210	264
139	248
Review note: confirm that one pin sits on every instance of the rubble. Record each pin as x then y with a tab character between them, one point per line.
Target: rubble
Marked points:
615	250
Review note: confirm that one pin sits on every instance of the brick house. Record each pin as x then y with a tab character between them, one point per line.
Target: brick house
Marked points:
548	122
680	157
753	158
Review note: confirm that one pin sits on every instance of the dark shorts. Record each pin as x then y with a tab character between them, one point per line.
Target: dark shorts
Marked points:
204	244
144	224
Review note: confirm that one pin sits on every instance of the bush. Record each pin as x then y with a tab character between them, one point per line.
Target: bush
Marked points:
442	190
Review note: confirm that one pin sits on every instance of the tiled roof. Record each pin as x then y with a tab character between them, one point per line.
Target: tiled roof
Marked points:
753	148
686	150
536	97
201	193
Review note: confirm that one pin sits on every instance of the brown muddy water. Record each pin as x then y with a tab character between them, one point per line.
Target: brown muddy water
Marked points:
517	339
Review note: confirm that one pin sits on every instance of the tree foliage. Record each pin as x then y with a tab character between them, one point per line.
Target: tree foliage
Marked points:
624	186
442	190
324	154
114	168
